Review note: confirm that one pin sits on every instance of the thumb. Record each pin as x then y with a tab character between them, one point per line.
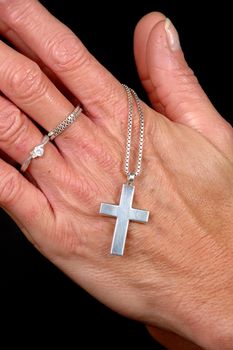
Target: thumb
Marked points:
171	85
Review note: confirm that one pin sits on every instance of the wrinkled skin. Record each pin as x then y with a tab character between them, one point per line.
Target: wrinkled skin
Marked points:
176	272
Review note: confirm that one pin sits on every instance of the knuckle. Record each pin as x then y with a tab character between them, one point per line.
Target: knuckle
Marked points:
181	107
187	92
65	52
18	12
9	187
98	154
13	127
185	83
27	82
80	187
185	76
84	190
92	148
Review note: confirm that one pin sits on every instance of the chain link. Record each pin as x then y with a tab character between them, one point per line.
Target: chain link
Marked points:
131	95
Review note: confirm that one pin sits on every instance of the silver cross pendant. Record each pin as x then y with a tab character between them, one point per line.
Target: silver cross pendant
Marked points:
123	214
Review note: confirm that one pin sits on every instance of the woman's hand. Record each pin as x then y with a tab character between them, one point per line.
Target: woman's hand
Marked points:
176	272
174	91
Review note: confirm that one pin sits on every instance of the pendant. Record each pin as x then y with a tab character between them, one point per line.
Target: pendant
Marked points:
123	214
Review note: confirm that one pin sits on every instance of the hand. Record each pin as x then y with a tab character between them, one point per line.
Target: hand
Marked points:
160	77
176	270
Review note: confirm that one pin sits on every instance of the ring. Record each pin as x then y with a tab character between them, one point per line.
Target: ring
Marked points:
38	151
70	119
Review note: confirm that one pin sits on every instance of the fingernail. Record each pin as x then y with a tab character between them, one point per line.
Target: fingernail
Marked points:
172	36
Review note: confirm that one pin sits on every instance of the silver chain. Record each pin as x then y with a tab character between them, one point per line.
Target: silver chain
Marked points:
131	95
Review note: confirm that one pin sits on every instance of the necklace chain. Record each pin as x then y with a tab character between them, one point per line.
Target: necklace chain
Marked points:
131	95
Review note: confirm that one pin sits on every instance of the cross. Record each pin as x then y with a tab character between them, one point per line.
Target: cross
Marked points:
124	213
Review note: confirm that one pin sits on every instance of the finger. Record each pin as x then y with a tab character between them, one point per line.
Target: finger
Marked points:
171	83
18	136
141	36
23	48
24	202
11	36
23	82
64	53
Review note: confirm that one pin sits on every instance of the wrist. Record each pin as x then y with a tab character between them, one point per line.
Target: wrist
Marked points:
210	324
214	333
206	322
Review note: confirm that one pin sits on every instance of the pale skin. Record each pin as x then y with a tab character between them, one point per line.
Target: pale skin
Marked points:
176	274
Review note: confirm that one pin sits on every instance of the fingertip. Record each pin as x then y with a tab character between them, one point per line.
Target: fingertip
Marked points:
141	36
149	20
164	57
144	27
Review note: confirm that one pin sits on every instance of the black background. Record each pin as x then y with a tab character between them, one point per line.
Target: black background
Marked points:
36	298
